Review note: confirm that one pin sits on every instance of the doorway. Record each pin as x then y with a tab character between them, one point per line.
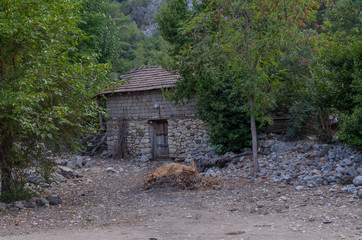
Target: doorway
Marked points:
159	140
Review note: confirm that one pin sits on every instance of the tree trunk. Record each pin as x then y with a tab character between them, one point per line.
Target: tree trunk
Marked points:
255	146
254	136
5	169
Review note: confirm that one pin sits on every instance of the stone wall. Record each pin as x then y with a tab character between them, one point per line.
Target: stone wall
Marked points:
185	136
185	131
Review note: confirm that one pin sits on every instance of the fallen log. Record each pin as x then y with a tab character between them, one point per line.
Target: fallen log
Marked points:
221	162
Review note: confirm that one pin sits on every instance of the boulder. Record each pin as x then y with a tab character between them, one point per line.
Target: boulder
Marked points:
357	181
351	172
54	199
42	202
18	204
90	164
77	162
67	172
3	206
31	204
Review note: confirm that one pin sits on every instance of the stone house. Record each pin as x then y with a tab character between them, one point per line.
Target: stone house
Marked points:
146	124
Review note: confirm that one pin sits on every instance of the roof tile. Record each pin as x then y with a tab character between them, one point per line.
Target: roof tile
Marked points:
144	79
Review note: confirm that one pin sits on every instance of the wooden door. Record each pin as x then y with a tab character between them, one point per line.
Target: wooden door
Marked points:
159	140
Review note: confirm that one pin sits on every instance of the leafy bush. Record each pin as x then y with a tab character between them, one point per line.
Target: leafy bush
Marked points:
299	114
351	128
220	104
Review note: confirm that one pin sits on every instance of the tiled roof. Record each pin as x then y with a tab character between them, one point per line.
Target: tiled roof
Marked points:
145	78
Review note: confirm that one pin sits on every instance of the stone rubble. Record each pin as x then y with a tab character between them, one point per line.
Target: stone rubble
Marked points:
302	163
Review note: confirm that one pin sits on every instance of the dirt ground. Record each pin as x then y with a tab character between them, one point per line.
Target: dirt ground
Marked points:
110	206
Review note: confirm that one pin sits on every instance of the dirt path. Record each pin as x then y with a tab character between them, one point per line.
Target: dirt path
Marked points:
115	206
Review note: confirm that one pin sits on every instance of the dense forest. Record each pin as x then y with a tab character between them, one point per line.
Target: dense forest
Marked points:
242	59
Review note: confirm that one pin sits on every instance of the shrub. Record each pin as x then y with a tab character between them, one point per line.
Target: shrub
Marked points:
351	128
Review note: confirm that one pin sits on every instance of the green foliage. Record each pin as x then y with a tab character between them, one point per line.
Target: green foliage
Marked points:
170	18
102	21
334	78
47	91
300	115
18	192
240	40
115	38
351	130
220	105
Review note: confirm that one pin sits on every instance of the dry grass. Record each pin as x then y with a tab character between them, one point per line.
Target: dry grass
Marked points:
174	175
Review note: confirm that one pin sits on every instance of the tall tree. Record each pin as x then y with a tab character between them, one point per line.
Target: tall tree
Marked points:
46	91
247	38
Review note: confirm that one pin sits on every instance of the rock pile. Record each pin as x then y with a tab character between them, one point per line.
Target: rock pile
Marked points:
302	163
40	202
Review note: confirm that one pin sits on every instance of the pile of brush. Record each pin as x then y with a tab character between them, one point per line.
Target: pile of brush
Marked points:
174	175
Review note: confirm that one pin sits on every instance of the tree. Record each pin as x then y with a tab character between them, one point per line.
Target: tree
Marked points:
245	38
103	22
47	91
335	71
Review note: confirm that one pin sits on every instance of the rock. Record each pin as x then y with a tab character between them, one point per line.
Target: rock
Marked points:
104	154
58	177
266	143
31	204
77	162
312	184
359	194
260	204
42	202
282	198
349	189
275	179
229	154
66	172
289	180
54	199
346	162
217	187
210	173
357	181
18	204
351	172
3	206
340	170
110	169
346	179
90	164
326	220
318	193
330	178
331	155
357	158
143	158
86	159
327	168
299	187
35	179
78	175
